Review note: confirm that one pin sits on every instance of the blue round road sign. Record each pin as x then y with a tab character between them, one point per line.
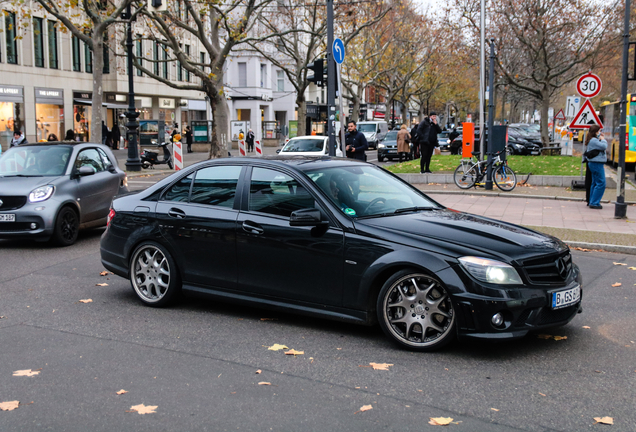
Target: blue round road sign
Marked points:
338	50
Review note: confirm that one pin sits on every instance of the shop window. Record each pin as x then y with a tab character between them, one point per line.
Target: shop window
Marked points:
49	119
77	60
11	119
52	30
10	37
38	41
82	121
242	67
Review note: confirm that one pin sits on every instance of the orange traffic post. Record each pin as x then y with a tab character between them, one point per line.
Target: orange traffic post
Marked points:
468	139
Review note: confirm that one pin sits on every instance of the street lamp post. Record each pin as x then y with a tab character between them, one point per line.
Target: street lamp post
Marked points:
132	163
620	208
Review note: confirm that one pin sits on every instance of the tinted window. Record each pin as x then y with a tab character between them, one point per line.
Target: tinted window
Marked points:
304	145
216	186
276	193
180	190
90	158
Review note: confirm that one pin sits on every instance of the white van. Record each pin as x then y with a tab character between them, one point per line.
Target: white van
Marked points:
374	131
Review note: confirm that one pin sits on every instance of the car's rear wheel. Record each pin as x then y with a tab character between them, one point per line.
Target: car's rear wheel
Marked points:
154	275
66	227
415	310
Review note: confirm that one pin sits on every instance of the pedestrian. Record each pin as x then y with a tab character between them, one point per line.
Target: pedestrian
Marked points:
313	132
70	135
188	137
250	140
18	139
175	131
52	137
596	159
403	140
116	137
427	134
104	133
355	142
415	141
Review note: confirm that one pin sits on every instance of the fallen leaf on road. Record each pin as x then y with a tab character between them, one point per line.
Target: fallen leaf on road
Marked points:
586	327
558	338
440	421
277	347
494	409
381	366
364	408
264	383
258	372
604	420
86	301
632	268
294	352
121	392
104	273
2	316
542	394
616	263
617	284
9	405
143	409
101	284
268	319
26	372
544	336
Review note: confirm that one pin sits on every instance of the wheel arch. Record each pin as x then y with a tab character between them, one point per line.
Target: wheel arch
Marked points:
133	242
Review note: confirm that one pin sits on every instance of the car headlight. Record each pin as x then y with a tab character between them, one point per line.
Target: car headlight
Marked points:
381	146
41	194
448	141
491	271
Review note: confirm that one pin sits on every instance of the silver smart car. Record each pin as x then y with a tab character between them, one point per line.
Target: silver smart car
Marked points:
49	191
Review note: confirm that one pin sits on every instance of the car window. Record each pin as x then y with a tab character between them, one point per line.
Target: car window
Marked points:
35	160
391	136
366	127
180	190
104	157
90	158
304	145
215	186
276	193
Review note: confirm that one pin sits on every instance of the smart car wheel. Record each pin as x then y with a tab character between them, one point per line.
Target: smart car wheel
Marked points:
66	227
416	311
154	275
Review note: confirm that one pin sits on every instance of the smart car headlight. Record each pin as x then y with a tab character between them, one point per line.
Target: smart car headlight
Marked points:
41	193
491	271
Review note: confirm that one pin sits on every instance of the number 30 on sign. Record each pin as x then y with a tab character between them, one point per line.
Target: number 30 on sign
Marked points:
589	85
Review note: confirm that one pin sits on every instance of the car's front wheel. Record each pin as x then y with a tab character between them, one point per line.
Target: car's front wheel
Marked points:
415	310
154	275
66	227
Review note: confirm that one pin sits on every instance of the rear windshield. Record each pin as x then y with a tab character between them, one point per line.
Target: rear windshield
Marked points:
35	161
304	145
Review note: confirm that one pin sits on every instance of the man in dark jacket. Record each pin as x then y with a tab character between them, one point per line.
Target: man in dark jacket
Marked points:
427	134
356	143
249	139
415	141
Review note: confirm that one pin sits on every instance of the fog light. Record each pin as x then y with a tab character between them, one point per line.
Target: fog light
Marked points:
34	225
497	319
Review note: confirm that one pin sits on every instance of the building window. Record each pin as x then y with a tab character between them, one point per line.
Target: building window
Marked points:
139	53
155	57
52	30
77	59
280	80
38	41
106	68
165	61
263	75
88	58
187	72
202	60
10	37
179	68
242	74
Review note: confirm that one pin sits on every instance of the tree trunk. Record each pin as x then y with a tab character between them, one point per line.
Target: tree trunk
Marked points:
355	114
545	105
98	71
302	114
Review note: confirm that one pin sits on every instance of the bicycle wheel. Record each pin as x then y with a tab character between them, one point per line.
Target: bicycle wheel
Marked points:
465	175
505	178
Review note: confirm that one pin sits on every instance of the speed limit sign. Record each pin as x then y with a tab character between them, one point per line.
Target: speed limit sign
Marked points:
589	85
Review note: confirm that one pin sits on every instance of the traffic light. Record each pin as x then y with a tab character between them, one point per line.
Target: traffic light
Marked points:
318	66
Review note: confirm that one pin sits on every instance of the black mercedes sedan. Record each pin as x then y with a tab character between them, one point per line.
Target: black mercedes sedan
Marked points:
339	239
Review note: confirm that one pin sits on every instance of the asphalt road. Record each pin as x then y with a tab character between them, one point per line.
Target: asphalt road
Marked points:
197	361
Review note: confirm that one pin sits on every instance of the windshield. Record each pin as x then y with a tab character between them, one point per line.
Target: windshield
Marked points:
38	160
391	136
366	127
368	191
304	145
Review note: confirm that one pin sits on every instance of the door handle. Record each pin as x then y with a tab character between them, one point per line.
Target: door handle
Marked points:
252	227
177	213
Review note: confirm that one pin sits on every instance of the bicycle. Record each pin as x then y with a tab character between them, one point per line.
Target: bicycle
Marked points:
471	172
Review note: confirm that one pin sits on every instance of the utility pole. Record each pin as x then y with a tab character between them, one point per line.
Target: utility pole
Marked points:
331	82
482	77
620	208
491	114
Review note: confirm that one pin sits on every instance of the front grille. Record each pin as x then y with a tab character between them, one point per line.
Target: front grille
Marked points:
15	226
521	320
550	316
551	269
12	202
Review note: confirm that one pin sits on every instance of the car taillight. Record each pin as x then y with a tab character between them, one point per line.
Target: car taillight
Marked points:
111	215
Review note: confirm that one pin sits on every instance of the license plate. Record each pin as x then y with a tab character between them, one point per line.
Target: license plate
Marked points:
565	298
7	217
392	151
535	152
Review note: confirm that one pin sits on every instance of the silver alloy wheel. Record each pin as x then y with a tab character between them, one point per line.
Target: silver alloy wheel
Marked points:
151	274
418	311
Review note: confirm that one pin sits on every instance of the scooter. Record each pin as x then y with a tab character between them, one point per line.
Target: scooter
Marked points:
150	158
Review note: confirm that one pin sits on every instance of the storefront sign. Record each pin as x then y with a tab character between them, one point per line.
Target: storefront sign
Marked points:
166	103
50	96
11	94
82	95
144	102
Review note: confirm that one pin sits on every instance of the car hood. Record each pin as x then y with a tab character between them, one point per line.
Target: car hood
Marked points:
368	134
457	233
24	185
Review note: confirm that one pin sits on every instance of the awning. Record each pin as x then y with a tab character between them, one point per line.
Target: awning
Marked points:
82	102
105	104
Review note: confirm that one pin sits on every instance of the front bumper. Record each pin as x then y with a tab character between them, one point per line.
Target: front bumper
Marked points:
388	153
43	218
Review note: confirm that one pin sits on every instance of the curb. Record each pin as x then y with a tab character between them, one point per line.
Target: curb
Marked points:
630	250
509	195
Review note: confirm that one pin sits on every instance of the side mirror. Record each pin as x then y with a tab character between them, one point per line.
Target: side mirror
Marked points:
111	168
278	151
83	171
306	217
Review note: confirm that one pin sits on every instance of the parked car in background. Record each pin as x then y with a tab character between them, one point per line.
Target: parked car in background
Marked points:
340	239
310	145
374	131
534	128
387	148
444	140
52	190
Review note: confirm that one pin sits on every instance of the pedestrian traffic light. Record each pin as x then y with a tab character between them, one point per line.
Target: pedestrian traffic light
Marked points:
318	66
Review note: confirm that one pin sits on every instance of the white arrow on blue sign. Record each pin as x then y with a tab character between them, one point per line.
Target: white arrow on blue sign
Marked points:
338	50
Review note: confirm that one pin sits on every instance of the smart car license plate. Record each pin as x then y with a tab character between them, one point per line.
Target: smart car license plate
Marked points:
565	298
7	217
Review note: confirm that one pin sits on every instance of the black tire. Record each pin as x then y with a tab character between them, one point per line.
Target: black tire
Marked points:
510	151
380	159
465	175
154	275
505	178
66	227
145	165
416	311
